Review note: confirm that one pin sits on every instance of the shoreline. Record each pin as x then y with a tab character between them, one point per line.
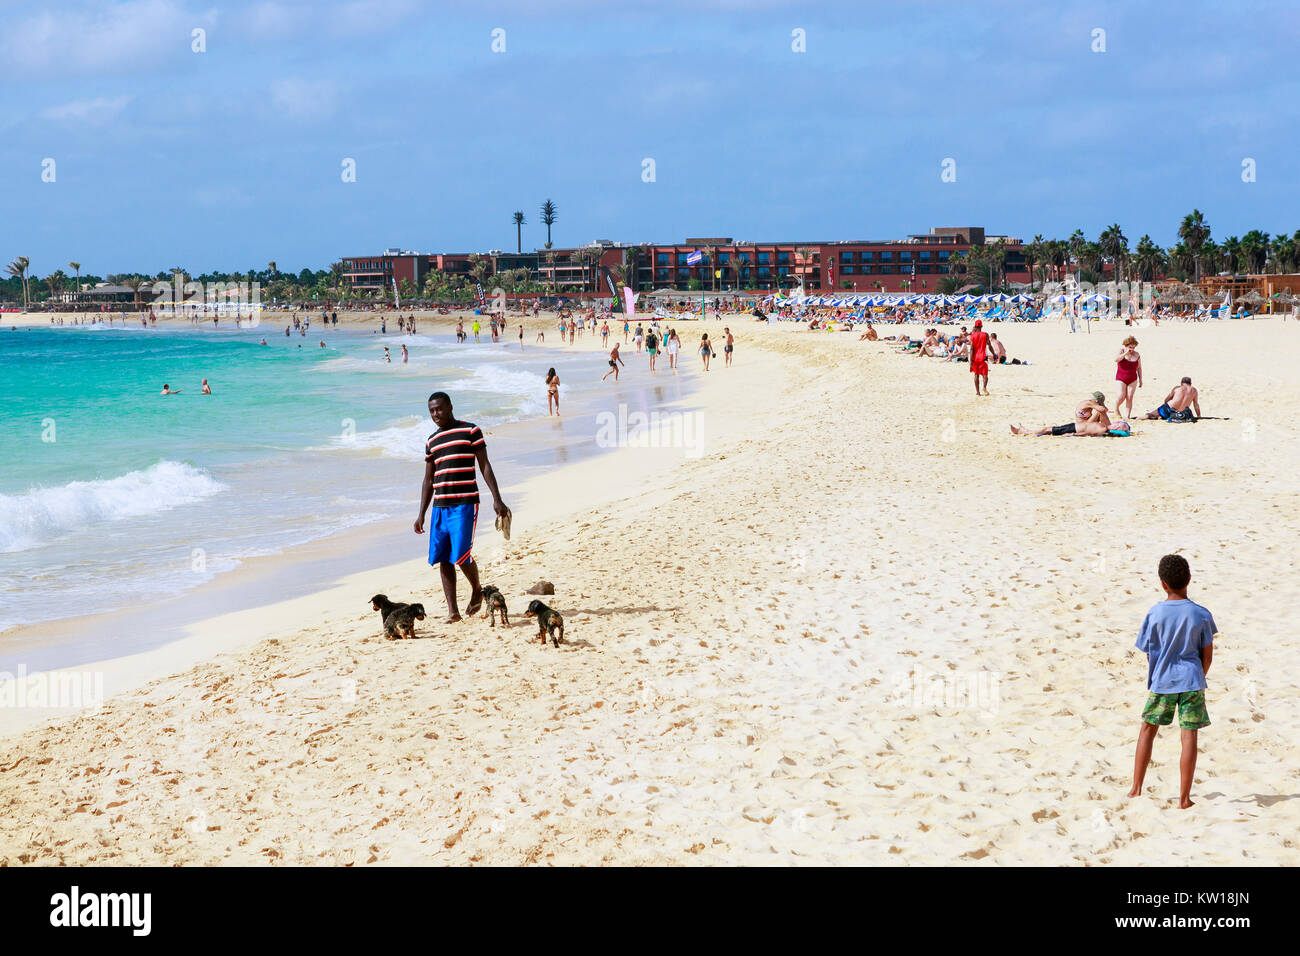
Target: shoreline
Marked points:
865	608
79	641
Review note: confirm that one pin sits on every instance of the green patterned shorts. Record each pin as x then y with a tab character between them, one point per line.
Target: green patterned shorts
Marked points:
1190	705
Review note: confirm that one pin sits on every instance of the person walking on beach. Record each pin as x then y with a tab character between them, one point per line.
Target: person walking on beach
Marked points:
449	458
672	347
614	361
706	350
1128	372
404	353
638	337
476	328
652	347
604	336
729	347
627	326
460	330
979	360
1177	637
521	338
552	392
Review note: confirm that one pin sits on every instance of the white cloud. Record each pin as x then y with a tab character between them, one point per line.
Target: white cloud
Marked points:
101	109
102	36
303	99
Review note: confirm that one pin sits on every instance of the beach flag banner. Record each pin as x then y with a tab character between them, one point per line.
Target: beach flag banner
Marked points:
695	258
481	298
629	300
609	282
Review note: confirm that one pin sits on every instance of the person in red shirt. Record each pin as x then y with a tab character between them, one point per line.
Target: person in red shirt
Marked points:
979	356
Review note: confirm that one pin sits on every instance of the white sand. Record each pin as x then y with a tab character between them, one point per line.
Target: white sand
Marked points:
866	625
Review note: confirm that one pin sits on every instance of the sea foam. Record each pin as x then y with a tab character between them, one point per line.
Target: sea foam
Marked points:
37	516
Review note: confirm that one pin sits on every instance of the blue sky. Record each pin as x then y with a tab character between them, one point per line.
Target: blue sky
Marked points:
232	157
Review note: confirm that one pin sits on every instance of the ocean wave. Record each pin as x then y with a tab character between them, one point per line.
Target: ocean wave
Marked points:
37	516
404	440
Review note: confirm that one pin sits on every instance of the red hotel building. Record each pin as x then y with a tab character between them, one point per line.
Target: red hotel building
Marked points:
916	263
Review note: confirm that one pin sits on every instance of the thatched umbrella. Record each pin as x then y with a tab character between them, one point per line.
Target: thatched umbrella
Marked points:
1196	297
1253	297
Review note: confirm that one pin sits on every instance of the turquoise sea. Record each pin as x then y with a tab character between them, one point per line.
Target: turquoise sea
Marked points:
111	494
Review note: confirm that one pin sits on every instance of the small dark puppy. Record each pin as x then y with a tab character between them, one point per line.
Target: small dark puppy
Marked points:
494	601
385	607
548	621
401	622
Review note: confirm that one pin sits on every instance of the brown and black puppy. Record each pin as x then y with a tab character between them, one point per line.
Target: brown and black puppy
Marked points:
493	602
548	621
401	621
385	607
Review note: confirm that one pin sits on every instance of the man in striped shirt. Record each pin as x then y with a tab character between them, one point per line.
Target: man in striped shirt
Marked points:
450	455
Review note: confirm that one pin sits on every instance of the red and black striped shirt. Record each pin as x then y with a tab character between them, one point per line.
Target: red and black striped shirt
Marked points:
451	450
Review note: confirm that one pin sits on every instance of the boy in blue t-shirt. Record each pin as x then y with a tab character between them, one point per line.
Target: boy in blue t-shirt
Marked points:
1178	638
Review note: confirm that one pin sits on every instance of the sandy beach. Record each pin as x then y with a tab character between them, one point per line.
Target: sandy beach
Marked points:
857	621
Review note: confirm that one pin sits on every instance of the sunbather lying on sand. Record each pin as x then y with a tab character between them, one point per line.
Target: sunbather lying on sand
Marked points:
1090	419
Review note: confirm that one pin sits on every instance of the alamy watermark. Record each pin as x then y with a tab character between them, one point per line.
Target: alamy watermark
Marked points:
948	693
61	689
684	430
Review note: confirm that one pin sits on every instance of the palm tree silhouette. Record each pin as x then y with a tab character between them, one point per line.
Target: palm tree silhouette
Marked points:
76	267
18	269
548	219
1194	231
519	231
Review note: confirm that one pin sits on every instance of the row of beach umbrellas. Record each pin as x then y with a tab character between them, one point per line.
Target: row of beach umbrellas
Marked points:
854	301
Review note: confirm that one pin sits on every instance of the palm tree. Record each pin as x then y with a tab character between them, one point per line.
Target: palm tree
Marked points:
1148	259
1060	257
270	267
1075	244
479	267
134	283
1254	248
582	257
54	282
1230	253
18	269
549	215
1114	245
519	231
738	265
1194	230
1033	254
1181	260
632	259
76	267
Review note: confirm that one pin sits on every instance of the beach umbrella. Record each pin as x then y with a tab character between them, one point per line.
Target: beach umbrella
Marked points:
1253	297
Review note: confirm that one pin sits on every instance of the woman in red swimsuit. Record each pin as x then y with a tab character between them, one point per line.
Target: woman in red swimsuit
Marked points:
1128	372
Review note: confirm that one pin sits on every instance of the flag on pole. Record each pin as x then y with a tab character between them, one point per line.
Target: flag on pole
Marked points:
482	299
695	258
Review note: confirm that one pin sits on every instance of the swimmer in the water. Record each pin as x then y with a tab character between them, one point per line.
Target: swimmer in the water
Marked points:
168	390
207	389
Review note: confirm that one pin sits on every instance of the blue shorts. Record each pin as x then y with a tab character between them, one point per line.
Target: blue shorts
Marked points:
451	533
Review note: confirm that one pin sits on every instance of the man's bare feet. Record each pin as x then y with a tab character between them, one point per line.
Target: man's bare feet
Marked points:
452	619
1135	792
1185	802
